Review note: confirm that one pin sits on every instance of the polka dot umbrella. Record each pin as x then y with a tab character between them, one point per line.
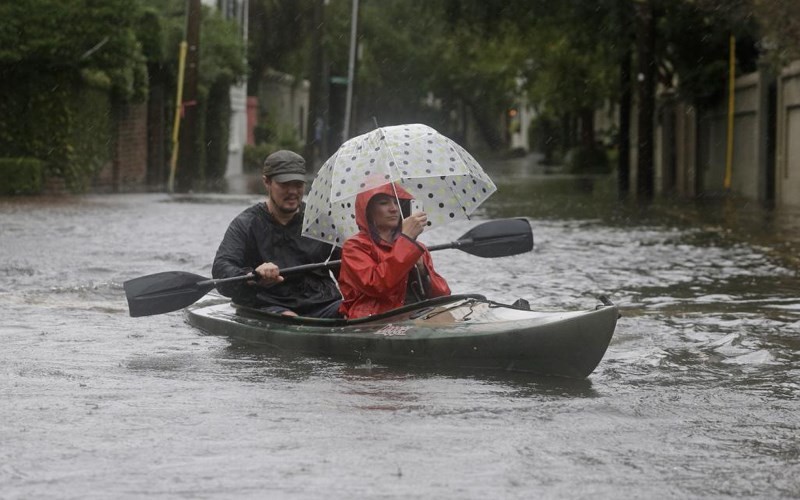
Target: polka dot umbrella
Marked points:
446	181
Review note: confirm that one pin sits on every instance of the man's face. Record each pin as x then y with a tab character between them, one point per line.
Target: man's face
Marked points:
285	196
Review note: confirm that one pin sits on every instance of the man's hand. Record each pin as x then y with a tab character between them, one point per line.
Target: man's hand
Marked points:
414	224
268	274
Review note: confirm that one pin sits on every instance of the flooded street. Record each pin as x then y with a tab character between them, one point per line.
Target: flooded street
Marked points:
698	395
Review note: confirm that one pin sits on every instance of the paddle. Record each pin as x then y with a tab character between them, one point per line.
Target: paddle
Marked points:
172	290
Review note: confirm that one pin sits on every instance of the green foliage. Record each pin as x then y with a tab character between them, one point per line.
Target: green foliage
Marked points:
66	126
217	130
254	156
394	73
694	45
545	136
221	64
89	136
272	137
568	75
67	65
150	30
69	36
780	23
20	176
61	61
35	119
588	160
408	56
287	139
279	37
222	54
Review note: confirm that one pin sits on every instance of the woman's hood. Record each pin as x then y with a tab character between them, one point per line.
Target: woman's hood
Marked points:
362	200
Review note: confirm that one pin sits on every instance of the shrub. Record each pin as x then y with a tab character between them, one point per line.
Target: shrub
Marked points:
287	139
592	160
254	156
20	176
545	137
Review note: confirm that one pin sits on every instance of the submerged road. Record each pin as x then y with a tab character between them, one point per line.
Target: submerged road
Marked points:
698	395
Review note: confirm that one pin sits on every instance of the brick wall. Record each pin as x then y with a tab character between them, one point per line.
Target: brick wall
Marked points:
130	155
127	170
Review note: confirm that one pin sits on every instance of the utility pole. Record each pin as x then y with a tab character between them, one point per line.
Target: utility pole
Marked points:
726	183
351	72
646	78
317	125
189	167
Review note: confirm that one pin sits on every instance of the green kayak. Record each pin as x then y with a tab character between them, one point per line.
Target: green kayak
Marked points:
459	331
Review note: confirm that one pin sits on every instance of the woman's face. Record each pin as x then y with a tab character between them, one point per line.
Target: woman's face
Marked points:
384	212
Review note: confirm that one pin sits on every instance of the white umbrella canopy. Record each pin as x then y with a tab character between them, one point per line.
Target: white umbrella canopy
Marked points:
446	181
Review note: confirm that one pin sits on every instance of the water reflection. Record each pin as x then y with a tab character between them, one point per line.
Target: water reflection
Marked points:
260	364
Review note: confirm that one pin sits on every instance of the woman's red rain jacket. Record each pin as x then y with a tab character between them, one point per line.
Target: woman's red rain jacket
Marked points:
374	276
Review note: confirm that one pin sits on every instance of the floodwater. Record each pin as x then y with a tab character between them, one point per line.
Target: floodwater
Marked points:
698	395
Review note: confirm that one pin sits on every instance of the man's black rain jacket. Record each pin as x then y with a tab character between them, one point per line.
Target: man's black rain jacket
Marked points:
255	237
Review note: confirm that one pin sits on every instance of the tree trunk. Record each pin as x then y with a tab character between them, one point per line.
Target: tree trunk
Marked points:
188	161
645	42
586	118
625	100
486	121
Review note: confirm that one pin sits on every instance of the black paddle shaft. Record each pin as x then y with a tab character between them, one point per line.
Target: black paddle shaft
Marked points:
173	290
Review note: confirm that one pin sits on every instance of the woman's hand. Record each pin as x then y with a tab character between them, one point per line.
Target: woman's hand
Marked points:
414	224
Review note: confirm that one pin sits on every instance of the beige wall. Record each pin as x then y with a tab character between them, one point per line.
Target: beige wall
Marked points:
285	102
749	162
787	154
690	143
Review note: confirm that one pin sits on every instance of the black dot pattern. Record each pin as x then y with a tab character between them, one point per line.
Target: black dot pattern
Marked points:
447	182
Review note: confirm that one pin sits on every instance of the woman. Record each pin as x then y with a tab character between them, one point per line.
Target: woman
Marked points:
384	266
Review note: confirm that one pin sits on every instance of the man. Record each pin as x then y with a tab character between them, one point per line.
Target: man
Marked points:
266	238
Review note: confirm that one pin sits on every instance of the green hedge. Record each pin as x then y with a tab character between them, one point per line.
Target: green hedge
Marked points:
20	176
64	123
592	160
254	156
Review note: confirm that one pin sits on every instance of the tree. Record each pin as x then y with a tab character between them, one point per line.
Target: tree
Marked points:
74	37
221	63
51	52
279	38
780	22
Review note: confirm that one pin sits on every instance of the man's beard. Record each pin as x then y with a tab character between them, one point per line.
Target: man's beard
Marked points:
287	211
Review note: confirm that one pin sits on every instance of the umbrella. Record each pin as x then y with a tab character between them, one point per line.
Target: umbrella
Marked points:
446	181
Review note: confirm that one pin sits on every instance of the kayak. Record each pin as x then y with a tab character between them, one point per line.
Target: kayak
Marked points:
459	331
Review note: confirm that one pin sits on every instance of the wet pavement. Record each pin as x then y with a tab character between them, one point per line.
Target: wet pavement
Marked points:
698	395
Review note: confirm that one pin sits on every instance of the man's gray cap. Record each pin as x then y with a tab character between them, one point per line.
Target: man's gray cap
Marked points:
285	166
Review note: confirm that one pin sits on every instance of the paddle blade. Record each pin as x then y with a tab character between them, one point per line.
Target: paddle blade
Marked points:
164	292
498	238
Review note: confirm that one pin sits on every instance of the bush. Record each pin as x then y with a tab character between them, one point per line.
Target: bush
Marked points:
544	136
254	156
20	176
583	160
287	139
284	137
